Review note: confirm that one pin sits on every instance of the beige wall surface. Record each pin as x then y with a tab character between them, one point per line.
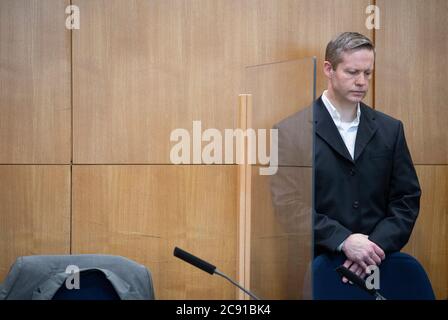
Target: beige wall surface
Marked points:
412	46
35	212
35	108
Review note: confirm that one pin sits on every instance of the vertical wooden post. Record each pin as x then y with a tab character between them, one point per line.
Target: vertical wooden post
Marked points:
244	185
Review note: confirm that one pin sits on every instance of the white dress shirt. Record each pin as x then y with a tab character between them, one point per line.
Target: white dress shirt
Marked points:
347	130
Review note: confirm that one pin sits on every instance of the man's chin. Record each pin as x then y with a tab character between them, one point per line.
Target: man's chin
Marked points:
355	98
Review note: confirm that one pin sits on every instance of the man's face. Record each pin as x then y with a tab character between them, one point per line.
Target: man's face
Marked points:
350	80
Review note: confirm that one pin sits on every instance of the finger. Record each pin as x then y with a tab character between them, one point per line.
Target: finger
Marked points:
363	265
358	270
354	267
376	258
347	263
362	275
369	261
379	252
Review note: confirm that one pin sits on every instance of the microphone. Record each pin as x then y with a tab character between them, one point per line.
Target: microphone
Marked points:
207	267
343	271
191	259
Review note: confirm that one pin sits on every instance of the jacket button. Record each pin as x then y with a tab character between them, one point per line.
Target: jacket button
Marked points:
352	172
356	204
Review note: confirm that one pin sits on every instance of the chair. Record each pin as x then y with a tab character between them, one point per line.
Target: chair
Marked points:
95	286
101	277
401	278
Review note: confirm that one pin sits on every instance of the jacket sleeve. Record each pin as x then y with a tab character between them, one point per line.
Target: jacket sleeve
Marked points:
393	232
328	233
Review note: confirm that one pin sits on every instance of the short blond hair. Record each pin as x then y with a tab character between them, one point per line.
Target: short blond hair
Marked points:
345	42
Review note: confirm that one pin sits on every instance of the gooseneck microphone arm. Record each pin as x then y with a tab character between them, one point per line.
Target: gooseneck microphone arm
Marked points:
236	284
207	267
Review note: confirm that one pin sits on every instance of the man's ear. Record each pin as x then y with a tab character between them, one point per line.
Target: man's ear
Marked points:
328	69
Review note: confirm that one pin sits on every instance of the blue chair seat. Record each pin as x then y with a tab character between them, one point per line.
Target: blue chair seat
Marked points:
401	278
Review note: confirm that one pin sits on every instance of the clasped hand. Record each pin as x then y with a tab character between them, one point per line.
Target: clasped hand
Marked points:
361	253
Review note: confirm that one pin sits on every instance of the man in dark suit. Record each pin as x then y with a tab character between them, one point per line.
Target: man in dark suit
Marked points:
367	194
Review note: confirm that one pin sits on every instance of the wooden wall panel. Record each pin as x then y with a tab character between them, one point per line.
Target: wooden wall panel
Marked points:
35	109
429	240
35	212
144	68
143	212
412	46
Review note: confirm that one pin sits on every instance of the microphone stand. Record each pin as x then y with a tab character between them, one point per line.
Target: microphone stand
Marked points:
207	267
236	284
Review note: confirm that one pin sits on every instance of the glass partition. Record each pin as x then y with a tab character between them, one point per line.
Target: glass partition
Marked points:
279	215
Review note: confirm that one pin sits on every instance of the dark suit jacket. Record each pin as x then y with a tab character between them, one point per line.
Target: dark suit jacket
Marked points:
377	193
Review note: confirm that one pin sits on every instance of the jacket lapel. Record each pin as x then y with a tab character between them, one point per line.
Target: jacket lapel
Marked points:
326	129
366	130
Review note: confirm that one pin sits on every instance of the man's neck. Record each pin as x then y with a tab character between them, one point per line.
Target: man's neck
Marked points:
346	109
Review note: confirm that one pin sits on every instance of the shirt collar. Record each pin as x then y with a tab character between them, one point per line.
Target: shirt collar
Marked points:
335	115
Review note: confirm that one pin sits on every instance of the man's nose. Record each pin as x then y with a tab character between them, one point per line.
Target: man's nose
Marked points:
361	80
